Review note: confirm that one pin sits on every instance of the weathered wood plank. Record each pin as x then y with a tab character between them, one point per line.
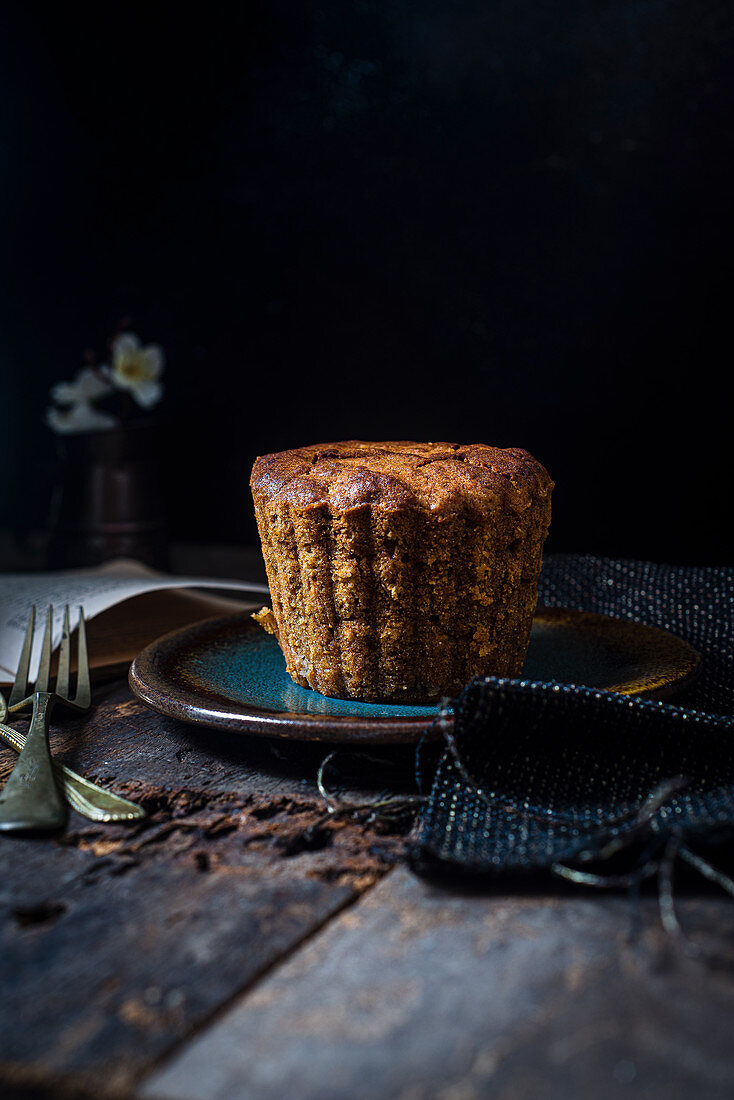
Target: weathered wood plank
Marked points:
104	981
117	942
417	993
265	789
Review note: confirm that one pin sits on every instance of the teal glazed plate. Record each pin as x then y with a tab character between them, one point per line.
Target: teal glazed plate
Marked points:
227	672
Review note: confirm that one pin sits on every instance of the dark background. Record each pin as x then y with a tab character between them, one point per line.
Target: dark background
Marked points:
477	221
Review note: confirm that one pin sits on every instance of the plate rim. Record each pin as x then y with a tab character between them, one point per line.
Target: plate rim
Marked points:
193	708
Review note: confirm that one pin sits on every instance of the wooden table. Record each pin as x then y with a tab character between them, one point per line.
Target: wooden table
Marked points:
239	945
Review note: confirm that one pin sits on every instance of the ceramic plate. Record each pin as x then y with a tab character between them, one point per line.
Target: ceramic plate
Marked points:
228	672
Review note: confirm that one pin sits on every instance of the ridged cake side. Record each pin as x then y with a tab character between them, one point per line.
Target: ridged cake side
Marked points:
402	602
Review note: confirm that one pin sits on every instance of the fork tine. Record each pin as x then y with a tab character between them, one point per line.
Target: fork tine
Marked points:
20	685
62	679
83	689
45	666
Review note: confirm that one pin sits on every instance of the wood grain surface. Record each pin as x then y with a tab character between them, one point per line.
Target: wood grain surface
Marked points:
119	941
418	991
242	943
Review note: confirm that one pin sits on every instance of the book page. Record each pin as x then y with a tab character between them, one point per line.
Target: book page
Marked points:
98	591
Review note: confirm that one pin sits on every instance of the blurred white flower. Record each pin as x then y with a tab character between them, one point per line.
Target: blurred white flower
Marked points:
79	417
137	369
133	370
87	386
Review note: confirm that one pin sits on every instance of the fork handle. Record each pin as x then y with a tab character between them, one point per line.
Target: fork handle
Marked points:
31	800
87	798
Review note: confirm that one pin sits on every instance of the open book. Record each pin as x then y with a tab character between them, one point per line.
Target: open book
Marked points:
126	606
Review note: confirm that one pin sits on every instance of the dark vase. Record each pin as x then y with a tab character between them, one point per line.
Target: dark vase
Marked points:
107	500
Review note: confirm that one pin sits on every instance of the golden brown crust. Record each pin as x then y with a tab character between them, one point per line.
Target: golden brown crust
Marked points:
392	476
400	570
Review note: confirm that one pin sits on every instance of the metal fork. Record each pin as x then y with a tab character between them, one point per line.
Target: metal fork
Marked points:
31	799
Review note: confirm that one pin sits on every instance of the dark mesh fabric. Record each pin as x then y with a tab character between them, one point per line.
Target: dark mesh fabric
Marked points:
537	774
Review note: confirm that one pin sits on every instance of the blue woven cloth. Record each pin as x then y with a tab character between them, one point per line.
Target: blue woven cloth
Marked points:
541	775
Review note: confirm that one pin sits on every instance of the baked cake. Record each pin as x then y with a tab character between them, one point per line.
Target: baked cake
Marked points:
398	571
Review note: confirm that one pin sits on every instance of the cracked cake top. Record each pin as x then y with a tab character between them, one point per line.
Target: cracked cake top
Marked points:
392	476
